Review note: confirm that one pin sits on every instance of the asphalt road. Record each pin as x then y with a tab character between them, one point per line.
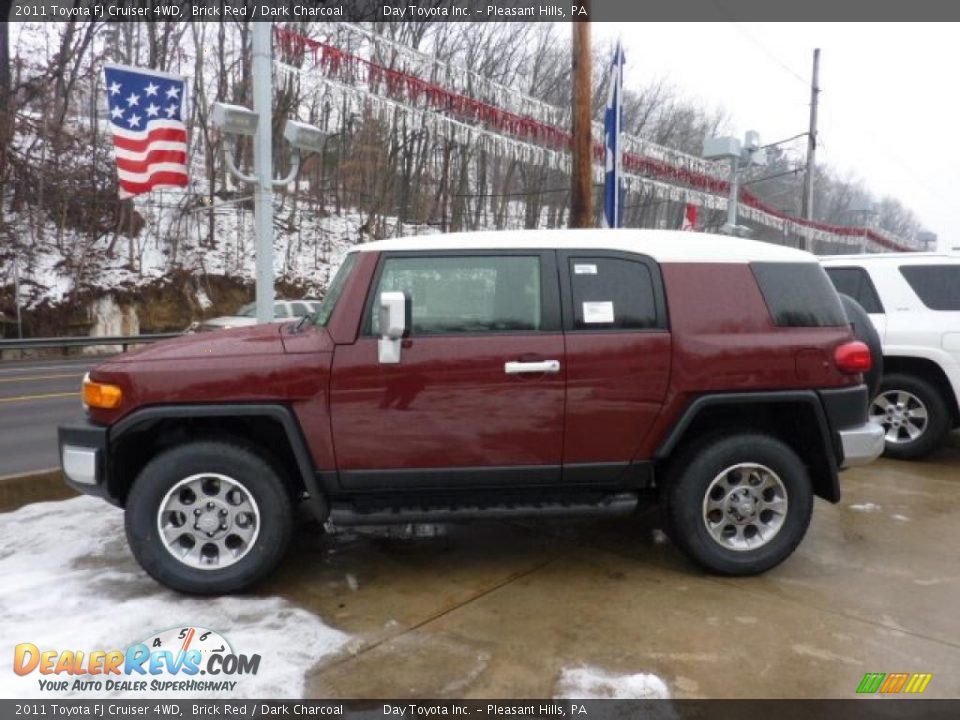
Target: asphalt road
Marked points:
35	396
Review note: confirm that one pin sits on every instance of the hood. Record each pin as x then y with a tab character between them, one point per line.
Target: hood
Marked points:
236	342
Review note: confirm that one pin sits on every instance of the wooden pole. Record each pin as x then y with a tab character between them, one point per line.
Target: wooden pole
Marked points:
581	177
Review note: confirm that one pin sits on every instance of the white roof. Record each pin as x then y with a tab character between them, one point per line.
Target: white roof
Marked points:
908	258
664	246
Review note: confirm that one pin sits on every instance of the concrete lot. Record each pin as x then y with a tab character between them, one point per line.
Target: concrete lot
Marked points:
501	610
508	610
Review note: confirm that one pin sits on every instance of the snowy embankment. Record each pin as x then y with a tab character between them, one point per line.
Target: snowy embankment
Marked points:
306	252
70	583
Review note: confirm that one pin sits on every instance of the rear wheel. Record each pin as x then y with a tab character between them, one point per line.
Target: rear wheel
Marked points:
914	415
739	504
208	518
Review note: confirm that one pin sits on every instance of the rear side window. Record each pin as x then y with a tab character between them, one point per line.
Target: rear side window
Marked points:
798	294
612	294
937	286
856	283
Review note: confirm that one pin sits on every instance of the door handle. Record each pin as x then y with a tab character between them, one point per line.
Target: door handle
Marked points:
543	366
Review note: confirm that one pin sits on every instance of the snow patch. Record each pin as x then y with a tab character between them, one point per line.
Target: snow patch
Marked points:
901	518
203	300
590	683
659	537
823	654
70	583
110	319
866	507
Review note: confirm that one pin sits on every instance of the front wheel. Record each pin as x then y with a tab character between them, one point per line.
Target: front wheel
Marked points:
739	504
208	518
914	415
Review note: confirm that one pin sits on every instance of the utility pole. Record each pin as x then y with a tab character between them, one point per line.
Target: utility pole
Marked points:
807	204
263	168
581	176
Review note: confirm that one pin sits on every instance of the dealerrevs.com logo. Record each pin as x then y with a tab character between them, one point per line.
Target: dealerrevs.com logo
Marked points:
189	659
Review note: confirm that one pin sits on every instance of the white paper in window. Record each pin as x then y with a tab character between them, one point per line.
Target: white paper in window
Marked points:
584	269
597	312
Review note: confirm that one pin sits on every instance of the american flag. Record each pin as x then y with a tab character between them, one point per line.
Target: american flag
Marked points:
612	120
149	137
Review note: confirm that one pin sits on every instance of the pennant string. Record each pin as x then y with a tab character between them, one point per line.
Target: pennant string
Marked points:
524	128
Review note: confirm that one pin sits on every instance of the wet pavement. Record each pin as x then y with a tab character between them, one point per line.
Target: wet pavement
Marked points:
515	610
503	610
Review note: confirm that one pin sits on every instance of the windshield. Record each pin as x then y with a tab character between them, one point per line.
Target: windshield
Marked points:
248	310
334	291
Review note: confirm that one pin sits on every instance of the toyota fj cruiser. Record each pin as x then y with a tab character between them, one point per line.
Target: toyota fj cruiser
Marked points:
495	375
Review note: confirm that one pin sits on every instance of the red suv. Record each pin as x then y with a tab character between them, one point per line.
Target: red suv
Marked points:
494	375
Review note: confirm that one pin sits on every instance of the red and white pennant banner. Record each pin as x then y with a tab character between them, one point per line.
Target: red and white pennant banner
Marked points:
664	173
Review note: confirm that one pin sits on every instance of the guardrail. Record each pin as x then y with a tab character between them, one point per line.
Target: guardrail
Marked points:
65	342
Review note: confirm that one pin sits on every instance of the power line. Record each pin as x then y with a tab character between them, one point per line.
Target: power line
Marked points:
769	53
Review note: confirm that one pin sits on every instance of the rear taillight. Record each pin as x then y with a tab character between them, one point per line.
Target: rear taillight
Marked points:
853	357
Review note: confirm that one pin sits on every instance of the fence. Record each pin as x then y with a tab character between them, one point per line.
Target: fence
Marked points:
125	341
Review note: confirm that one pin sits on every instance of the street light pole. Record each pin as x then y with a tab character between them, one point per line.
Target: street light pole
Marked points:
263	169
734	194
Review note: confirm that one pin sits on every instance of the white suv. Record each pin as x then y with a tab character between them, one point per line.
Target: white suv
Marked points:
283	311
913	300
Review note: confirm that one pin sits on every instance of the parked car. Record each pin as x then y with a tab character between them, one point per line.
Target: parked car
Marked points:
913	300
495	375
283	311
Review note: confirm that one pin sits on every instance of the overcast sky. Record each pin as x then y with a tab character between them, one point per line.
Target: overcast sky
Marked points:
889	106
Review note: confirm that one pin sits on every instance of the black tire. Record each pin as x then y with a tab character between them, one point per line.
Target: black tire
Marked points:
935	430
865	332
692	476
252	473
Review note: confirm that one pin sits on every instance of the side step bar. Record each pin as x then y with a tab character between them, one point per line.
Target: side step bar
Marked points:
345	514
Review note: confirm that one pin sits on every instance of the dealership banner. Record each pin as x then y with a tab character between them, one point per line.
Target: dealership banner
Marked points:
479	11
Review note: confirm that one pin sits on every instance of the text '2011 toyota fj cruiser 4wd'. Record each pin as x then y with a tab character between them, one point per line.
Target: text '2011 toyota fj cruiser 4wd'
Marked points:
493	375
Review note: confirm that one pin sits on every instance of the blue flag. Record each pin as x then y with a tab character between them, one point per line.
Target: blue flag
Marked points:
613	186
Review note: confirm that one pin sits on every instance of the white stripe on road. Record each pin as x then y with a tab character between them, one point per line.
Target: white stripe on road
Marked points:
20	378
86	364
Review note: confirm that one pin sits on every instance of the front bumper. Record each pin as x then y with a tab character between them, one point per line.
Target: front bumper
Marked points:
862	444
83	457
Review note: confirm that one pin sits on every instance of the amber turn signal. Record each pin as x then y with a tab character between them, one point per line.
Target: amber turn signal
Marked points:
101	395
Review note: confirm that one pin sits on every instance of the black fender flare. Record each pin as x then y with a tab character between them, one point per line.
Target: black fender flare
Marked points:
829	486
275	411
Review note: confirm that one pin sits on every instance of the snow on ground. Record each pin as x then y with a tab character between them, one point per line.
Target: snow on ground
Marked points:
591	683
69	582
866	507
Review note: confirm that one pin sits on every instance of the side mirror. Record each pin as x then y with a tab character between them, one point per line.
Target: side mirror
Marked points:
393	325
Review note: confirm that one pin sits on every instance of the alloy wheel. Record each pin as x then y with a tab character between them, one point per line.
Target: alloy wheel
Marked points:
745	506
208	521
